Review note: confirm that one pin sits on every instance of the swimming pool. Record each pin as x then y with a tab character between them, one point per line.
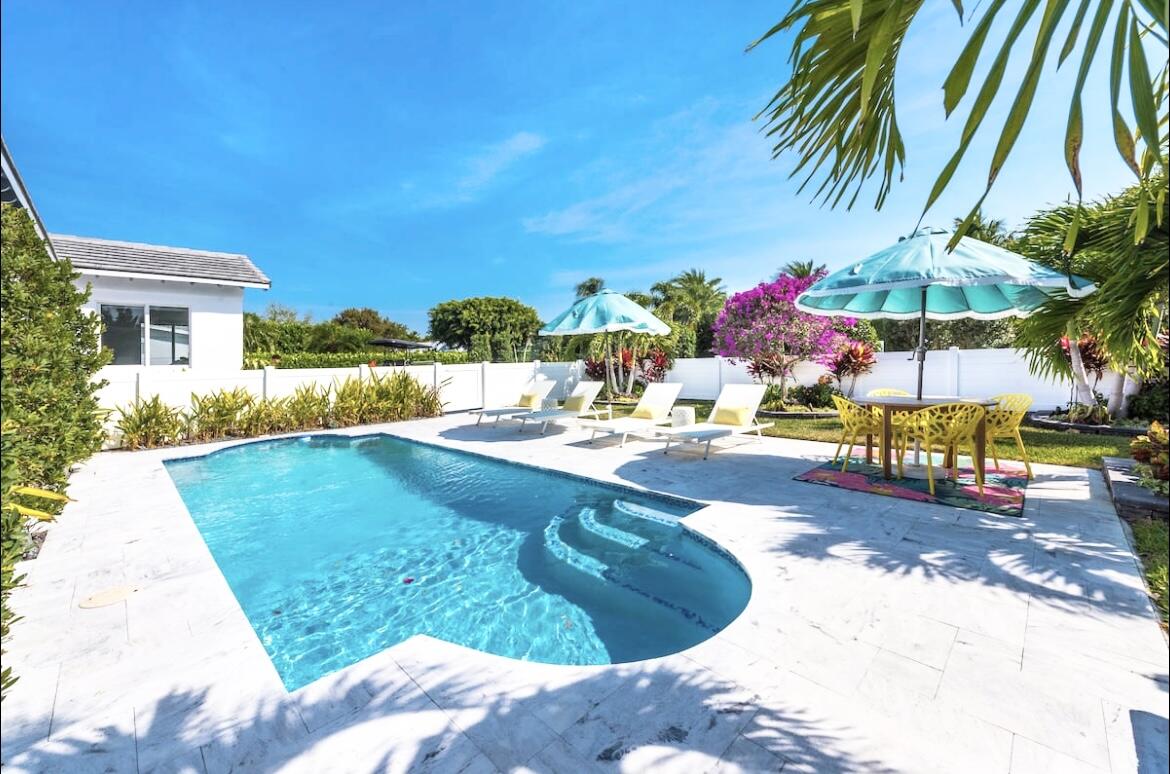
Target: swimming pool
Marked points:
337	548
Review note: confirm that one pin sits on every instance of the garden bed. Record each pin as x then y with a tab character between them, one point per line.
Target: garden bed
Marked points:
1132	500
1047	422
811	414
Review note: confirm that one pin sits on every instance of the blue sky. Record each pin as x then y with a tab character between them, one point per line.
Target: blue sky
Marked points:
395	156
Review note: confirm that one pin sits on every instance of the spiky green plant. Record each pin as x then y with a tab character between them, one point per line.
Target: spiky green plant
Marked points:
146	424
217	414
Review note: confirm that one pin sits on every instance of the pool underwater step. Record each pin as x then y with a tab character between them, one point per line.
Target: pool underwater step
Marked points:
569	555
588	521
650	514
618	577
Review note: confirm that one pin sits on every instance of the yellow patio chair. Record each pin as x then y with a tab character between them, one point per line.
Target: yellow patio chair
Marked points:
949	426
855	421
1004	420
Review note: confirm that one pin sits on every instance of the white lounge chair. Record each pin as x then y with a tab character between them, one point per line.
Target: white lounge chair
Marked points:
578	405
734	413
530	400
653	409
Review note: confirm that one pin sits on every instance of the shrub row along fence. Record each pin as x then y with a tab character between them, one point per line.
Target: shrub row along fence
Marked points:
236	413
463	386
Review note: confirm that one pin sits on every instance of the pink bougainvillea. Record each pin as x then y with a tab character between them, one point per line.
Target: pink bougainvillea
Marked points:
763	327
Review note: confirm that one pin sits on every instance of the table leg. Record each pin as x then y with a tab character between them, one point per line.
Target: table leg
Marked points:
887	440
868	449
981	444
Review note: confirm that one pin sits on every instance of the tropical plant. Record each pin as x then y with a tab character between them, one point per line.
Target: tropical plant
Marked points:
837	110
217	414
849	362
763	327
307	408
146	424
1128	309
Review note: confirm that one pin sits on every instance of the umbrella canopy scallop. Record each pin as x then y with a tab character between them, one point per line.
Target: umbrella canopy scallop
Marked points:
604	312
975	280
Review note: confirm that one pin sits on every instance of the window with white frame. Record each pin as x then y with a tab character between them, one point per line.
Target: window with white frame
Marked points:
154	335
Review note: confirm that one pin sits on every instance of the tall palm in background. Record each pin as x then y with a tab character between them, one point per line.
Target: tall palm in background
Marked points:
801	269
837	111
693	295
589	287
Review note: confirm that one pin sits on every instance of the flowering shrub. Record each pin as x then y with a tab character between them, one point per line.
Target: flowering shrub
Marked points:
655	365
763	327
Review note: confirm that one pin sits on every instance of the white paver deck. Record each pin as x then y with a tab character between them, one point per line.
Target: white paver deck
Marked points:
881	635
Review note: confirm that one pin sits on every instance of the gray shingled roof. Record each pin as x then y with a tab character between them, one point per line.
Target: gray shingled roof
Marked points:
135	258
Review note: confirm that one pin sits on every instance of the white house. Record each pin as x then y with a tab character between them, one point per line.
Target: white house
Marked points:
165	306
161	307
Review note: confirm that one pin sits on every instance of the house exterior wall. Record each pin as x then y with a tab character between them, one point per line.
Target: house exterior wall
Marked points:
216	315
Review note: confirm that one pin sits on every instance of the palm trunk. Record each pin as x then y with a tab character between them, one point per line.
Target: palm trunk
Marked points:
1083	393
609	378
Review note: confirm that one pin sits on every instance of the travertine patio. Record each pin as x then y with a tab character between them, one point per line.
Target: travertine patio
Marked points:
882	635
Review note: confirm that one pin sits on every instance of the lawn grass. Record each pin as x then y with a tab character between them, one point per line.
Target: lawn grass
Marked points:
1054	447
1152	540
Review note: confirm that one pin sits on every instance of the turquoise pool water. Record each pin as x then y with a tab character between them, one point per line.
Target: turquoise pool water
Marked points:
337	548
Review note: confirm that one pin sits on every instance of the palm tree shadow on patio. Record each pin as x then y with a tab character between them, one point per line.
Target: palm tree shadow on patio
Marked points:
615	720
1058	554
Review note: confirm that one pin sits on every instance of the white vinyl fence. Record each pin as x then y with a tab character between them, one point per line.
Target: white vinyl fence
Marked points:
473	385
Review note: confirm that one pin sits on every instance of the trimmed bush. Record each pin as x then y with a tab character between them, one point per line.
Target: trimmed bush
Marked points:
48	412
350	359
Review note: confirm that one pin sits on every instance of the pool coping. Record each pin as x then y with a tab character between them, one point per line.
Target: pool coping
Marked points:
454	686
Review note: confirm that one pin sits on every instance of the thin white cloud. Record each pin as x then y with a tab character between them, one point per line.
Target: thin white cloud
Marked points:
494	160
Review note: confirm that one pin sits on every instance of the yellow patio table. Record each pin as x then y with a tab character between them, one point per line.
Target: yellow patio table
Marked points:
891	403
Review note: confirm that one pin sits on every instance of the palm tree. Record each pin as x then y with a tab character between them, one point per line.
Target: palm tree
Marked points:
836	112
589	287
991	230
801	269
1129	308
694	296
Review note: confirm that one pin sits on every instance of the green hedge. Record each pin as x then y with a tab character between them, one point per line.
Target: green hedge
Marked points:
350	359
48	412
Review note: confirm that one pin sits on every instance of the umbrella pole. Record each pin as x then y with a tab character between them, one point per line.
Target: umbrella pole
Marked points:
920	355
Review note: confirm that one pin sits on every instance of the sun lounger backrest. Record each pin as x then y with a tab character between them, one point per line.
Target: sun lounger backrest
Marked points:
735	396
588	390
659	397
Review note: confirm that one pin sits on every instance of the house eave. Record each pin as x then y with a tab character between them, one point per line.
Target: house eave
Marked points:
171	278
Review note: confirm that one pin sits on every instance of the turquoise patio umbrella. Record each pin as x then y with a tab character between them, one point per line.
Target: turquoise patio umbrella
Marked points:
918	278
604	312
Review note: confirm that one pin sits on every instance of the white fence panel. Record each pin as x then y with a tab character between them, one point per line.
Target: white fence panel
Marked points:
566	375
504	382
282	382
175	387
699	377
461	386
121	390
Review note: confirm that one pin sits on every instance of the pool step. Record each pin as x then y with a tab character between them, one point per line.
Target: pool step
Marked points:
642	512
569	555
588	520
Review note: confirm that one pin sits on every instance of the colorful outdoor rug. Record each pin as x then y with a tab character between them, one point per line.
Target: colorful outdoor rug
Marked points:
1003	489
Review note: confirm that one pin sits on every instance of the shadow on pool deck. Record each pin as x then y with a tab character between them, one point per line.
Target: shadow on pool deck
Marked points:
631	721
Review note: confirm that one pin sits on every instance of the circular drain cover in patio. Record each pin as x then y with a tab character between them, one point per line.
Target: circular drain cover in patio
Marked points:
107	597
